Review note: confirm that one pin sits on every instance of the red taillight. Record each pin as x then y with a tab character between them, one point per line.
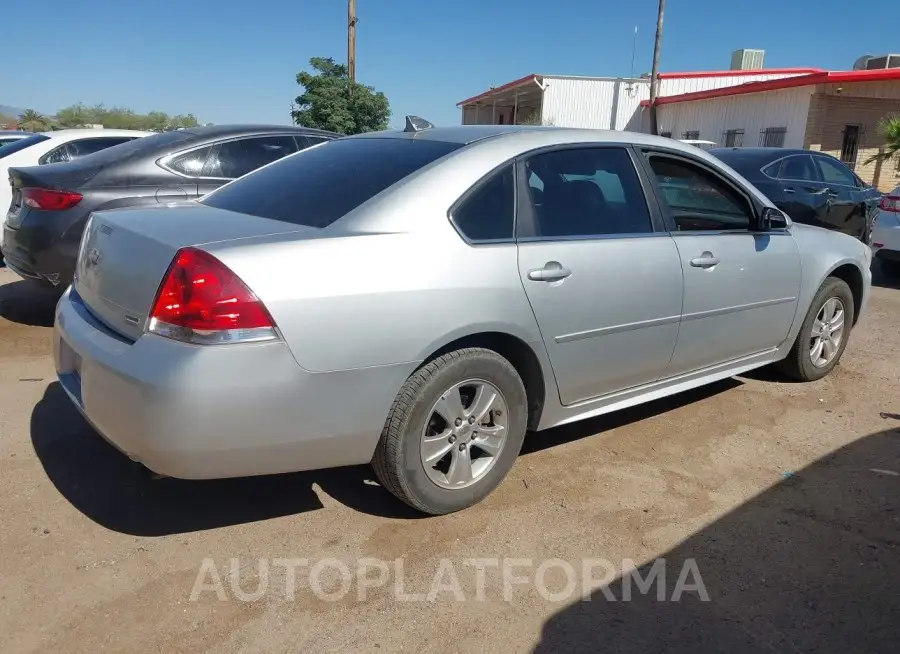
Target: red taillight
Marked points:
890	203
49	200
201	301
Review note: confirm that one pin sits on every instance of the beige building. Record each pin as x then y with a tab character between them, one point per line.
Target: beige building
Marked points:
833	111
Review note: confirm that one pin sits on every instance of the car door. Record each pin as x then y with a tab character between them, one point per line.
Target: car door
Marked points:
803	195
602	276
237	157
740	285
846	207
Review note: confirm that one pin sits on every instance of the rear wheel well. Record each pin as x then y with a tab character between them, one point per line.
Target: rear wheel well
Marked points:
854	279
519	354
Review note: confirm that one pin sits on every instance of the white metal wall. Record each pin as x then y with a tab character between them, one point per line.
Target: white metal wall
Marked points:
592	103
751	112
679	85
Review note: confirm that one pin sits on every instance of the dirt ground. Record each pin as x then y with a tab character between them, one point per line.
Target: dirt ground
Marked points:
785	497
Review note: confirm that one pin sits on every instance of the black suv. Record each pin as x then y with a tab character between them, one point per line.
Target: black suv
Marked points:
811	187
51	203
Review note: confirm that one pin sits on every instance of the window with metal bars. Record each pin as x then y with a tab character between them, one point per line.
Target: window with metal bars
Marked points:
733	138
692	135
850	145
772	137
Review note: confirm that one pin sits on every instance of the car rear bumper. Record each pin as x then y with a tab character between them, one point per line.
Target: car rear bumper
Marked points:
40	253
203	412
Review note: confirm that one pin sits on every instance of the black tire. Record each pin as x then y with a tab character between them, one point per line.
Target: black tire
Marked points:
890	268
798	364
397	460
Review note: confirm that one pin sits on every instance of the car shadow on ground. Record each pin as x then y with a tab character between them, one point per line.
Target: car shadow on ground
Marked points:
810	565
121	495
27	303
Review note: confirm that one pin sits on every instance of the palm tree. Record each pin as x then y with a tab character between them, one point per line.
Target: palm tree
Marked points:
32	121
889	130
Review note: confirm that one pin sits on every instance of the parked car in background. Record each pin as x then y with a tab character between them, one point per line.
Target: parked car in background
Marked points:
811	187
418	299
886	233
51	204
11	136
54	147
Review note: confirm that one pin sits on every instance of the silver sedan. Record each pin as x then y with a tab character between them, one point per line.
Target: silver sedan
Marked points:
419	299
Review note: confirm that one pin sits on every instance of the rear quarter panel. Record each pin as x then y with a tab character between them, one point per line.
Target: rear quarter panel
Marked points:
380	299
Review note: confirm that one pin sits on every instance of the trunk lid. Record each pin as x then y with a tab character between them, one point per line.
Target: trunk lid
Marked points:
124	255
58	177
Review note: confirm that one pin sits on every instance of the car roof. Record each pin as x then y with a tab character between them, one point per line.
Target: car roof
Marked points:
219	131
76	133
755	154
526	134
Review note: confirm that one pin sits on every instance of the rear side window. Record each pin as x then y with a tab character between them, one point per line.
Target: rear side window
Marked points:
234	159
190	163
304	142
318	186
799	167
487	214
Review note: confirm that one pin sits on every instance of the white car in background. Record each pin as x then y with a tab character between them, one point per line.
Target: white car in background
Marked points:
886	233
55	147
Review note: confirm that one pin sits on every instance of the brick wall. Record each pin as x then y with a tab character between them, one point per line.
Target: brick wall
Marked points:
830	111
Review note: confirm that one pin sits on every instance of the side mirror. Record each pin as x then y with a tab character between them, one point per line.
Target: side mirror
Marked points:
772	218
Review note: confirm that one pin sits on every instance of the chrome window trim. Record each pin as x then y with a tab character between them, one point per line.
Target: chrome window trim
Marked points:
781	160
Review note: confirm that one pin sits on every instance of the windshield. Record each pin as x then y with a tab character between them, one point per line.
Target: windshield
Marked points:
315	187
21	144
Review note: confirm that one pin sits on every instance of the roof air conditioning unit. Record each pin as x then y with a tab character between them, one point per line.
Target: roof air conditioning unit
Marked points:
873	62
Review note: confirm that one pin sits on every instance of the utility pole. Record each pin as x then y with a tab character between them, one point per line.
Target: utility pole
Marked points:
351	40
654	73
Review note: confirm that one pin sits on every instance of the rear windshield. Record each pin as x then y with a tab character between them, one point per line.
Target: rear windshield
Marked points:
21	144
316	187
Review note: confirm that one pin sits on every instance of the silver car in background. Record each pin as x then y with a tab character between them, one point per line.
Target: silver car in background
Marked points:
419	299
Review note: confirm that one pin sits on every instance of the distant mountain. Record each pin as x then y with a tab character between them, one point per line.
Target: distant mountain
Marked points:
12	112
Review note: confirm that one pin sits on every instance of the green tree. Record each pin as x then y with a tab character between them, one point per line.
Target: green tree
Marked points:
74	116
32	121
889	130
331	101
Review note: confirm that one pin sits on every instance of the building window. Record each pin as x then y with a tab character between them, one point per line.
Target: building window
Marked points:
850	145
668	135
692	135
772	137
500	121
733	138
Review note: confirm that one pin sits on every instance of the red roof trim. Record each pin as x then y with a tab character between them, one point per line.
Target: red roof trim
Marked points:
824	77
739	73
519	82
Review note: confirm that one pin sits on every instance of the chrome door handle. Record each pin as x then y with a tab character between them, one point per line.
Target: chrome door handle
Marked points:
553	271
705	260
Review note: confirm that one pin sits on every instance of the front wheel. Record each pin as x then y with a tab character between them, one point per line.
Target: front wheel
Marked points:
823	334
454	431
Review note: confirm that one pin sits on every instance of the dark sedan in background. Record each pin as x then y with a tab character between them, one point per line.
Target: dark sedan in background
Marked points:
51	204
811	187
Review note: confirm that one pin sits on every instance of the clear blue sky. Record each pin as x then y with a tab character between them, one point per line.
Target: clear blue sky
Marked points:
229	61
